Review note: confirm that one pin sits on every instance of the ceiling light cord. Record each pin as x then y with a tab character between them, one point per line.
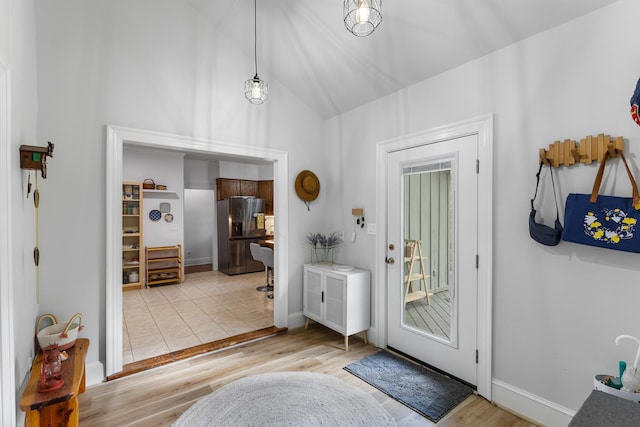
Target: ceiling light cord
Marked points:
255	35
255	90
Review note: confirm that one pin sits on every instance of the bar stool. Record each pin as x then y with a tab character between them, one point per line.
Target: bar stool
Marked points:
256	254
267	260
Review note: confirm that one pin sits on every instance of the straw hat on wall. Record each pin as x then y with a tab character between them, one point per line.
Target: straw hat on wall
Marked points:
307	186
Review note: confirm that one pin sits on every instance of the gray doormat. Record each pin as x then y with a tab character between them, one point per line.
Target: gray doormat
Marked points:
427	392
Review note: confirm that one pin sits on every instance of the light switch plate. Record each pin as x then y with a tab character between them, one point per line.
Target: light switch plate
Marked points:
371	229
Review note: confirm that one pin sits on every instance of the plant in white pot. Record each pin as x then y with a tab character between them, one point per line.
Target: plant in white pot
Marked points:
323	247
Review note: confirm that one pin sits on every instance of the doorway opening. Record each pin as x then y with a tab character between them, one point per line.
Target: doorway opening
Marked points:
208	311
116	138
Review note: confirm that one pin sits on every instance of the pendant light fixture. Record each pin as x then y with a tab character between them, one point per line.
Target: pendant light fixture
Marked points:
255	90
361	17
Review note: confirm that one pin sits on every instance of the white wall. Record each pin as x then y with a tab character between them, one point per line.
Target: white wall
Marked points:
163	168
265	172
200	174
147	64
18	296
238	170
557	310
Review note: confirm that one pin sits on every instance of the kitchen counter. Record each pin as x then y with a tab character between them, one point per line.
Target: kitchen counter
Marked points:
269	243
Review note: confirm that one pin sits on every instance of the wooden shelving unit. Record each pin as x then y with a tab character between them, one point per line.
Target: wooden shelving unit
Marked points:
414	259
163	264
131	235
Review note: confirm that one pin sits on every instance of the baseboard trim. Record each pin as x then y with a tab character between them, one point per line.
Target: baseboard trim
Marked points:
296	320
198	261
189	269
94	372
530	406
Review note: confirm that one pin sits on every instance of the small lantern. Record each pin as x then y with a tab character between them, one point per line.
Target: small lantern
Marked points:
51	372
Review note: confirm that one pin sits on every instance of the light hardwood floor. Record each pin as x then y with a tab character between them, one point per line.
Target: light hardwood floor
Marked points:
157	397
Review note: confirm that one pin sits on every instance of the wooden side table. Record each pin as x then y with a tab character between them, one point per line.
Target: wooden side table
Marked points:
59	407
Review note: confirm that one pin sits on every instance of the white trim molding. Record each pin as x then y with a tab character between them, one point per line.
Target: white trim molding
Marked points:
481	126
523	404
94	373
7	357
116	137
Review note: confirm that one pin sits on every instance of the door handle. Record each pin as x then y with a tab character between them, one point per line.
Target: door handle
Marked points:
389	260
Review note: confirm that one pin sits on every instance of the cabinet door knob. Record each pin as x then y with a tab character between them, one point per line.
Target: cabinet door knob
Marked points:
389	260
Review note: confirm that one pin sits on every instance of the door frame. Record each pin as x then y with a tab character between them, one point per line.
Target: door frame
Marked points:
482	126
7	339
116	137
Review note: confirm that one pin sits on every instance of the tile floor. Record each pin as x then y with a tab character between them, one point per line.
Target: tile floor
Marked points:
206	307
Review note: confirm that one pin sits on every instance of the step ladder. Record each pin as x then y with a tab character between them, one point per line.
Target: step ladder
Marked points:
413	259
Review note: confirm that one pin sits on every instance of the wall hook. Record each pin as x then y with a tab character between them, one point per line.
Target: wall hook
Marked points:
35	158
590	149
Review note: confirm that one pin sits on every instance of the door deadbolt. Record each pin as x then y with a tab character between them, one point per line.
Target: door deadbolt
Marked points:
392	247
389	260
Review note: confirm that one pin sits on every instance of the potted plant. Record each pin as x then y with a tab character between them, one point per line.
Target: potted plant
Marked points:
323	247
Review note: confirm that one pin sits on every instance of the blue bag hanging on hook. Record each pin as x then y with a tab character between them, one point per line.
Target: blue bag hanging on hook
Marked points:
604	221
635	100
539	232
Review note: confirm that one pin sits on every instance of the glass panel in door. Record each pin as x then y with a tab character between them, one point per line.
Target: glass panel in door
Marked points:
428	213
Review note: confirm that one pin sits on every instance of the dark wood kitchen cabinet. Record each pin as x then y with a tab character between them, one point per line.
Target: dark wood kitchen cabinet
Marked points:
248	188
236	187
228	187
265	191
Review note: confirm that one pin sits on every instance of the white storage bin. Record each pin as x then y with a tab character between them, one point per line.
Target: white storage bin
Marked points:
598	384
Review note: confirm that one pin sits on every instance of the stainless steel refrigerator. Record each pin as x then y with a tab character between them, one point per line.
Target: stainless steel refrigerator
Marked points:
240	222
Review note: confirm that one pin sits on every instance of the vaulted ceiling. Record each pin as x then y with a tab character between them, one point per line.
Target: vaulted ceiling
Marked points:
305	46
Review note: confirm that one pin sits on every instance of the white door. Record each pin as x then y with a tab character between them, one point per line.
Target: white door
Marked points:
432	226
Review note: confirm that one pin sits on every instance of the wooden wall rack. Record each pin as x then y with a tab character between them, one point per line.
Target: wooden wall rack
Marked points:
590	149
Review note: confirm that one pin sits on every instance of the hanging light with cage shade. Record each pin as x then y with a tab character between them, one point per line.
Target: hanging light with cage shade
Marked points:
362	17
255	90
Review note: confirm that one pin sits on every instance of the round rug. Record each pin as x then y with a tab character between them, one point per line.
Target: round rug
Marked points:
287	399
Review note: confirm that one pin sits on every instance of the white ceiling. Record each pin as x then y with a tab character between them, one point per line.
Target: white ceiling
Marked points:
304	45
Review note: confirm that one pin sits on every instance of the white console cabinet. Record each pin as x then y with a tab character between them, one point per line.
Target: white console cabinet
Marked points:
340	300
